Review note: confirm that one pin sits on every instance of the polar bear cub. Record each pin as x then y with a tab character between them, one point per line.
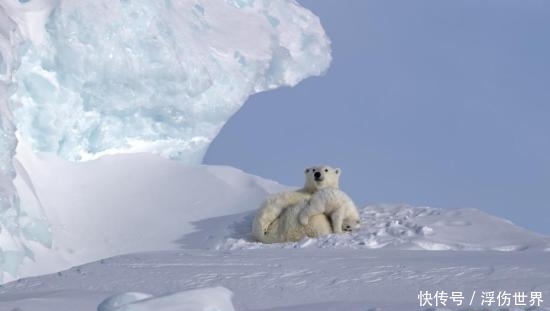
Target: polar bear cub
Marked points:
317	177
335	203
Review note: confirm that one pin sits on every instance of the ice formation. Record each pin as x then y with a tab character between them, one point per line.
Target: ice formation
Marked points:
81	79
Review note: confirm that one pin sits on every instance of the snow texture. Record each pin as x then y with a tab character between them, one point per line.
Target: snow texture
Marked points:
308	279
119	300
406	227
204	299
80	79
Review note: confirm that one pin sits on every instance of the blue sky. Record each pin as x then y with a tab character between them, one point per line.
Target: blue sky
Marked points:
437	103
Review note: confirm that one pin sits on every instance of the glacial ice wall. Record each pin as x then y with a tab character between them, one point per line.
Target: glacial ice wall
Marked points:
157	76
12	249
84	78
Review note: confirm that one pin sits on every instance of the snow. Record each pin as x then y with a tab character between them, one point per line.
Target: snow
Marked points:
400	226
309	279
204	299
119	300
161	204
171	228
156	204
80	79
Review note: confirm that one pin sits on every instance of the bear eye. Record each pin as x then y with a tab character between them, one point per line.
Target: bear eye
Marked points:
313	170
307	170
326	170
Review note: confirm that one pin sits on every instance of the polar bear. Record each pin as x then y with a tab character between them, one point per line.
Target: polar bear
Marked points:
335	203
317	177
287	227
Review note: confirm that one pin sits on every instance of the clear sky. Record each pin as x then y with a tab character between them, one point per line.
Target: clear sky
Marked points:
433	103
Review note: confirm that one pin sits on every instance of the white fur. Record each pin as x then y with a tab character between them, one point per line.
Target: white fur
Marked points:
287	227
334	203
274	207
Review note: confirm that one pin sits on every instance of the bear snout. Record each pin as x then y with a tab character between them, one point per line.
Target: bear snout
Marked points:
318	176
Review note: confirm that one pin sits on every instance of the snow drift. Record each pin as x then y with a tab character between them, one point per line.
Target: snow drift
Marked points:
161	204
82	79
153	207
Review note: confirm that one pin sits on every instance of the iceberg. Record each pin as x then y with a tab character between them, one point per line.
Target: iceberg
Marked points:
87	78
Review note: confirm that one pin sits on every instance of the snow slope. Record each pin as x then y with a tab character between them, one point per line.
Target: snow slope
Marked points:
187	227
126	203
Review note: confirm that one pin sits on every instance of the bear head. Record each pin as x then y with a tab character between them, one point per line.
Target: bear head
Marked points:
351	224
323	176
352	221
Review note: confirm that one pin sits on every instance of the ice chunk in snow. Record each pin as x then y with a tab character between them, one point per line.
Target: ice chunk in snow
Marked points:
204	299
